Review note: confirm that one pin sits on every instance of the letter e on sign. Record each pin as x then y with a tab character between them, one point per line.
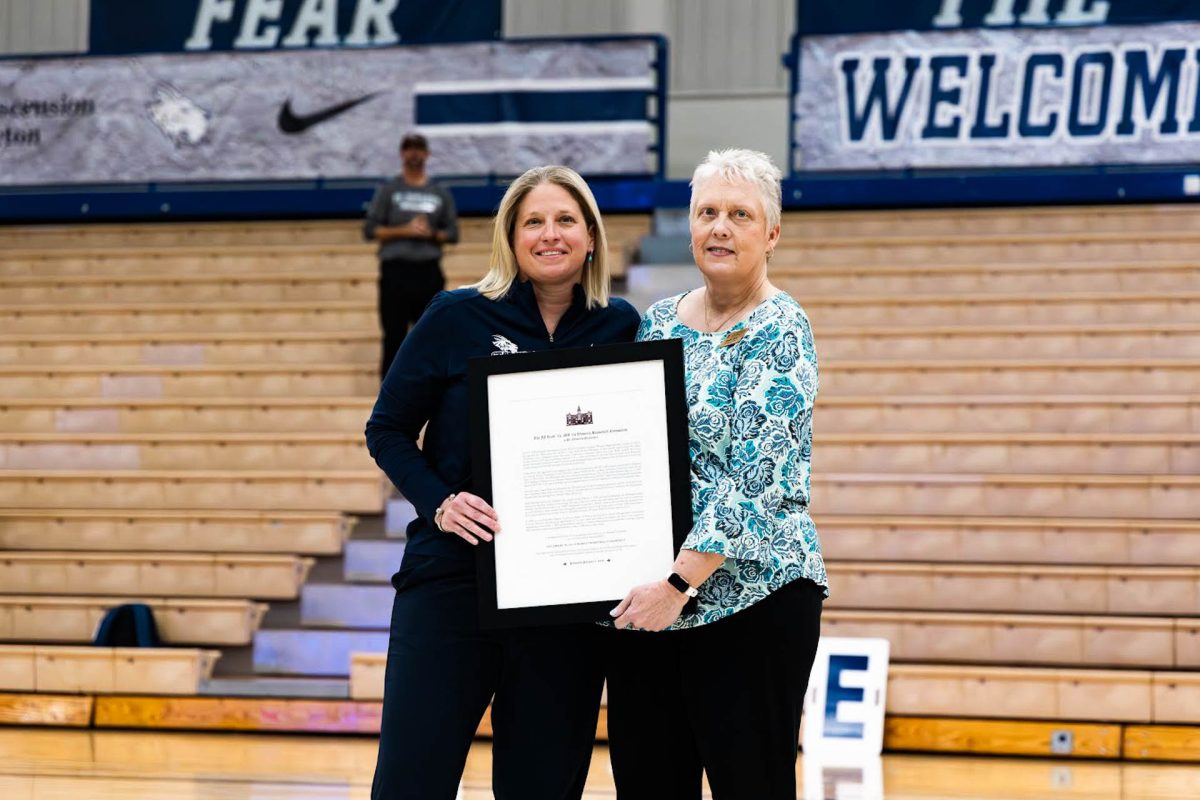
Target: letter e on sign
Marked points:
847	693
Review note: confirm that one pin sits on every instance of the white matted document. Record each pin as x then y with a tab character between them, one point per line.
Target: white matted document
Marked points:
583	454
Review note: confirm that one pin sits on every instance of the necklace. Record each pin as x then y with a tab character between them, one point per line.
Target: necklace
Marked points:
750	297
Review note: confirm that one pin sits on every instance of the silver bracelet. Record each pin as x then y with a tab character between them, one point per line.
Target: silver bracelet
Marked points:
437	515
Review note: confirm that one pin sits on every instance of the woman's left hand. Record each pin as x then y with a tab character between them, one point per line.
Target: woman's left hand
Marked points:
649	607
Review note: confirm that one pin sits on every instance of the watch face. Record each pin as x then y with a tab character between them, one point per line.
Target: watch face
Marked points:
681	585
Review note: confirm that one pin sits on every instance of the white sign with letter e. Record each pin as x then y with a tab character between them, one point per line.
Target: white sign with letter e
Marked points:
844	707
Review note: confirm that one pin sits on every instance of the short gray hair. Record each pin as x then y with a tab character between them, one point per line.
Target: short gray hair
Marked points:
743	166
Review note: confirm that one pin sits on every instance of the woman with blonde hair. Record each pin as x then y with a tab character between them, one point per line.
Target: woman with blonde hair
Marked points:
547	287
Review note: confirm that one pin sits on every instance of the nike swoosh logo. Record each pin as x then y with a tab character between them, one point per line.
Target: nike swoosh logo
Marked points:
292	123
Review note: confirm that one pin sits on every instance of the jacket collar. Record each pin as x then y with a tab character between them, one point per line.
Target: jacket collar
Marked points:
521	295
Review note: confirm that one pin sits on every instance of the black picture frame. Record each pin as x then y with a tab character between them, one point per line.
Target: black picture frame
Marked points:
667	351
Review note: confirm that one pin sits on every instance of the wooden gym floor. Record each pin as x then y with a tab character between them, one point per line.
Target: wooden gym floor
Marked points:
119	765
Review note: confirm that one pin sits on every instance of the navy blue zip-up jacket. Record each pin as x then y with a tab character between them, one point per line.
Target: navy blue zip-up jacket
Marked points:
427	382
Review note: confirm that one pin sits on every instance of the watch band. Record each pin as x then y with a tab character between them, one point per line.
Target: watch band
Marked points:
681	585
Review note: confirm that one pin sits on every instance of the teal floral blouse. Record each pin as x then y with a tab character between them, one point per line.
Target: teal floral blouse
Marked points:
750	407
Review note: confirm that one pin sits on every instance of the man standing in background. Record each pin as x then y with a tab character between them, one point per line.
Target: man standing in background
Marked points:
411	218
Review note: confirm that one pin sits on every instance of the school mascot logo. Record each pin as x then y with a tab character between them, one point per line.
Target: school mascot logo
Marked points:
504	346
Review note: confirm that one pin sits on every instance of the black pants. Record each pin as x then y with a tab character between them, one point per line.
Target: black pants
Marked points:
441	673
405	288
724	699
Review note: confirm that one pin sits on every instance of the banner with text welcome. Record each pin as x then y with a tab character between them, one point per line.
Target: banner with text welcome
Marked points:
821	17
489	109
999	98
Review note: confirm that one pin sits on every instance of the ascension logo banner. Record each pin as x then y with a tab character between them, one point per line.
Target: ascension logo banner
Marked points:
487	109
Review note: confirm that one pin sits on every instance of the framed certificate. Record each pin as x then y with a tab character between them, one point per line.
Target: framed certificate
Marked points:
583	453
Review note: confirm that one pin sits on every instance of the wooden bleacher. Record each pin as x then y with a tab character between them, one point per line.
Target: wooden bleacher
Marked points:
1005	471
164	451
207	622
1002	452
1029	413
230	260
620	228
1113	340
188	286
1024	639
341	316
181	234
905	307
960	279
1010	540
997	580
354	491
1098	561
197	415
1019	588
1059	248
241	575
974	691
141	530
1169	497
248	380
967	223
167	349
246	248
63	668
1011	375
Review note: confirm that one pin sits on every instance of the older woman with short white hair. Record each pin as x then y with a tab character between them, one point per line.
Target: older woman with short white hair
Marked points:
721	690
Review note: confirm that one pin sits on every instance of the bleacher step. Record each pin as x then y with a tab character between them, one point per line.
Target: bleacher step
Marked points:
398	514
372	561
174	531
339	605
255	490
259	686
960	494
312	652
1010	539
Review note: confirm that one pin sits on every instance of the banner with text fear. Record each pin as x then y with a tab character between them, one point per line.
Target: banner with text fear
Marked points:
487	108
999	98
162	26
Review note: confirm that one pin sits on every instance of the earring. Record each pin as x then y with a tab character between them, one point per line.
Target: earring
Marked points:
589	258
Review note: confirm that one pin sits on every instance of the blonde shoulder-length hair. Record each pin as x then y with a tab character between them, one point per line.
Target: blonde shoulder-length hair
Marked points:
503	270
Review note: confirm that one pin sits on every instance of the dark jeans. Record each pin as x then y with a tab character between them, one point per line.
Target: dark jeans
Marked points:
724	699
405	288
442	671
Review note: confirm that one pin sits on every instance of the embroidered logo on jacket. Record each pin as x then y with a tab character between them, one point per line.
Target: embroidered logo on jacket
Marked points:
504	346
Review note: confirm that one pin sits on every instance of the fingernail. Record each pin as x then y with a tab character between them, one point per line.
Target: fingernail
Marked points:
613	613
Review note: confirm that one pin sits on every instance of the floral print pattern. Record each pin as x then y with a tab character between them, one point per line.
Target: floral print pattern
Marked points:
750	443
